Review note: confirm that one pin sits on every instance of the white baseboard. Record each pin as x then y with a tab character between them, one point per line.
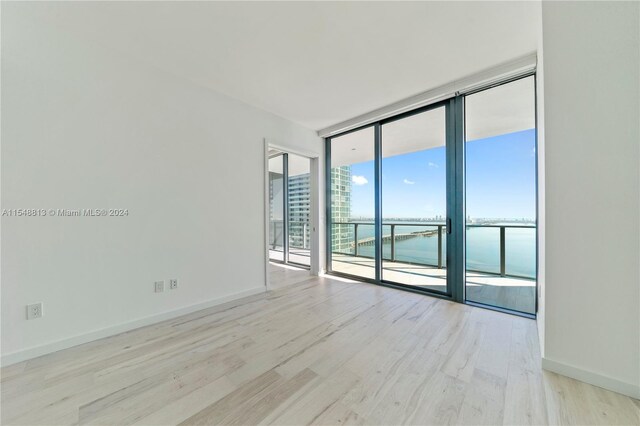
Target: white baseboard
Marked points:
47	348
592	378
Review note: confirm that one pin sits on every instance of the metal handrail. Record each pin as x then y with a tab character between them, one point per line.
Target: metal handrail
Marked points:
468	225
392	238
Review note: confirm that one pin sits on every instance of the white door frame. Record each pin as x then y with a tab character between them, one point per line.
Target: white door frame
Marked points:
316	215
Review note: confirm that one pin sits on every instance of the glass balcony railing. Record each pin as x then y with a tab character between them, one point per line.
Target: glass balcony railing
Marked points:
299	235
506	250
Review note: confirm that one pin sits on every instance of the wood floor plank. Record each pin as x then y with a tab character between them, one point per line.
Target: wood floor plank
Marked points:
495	348
128	405
82	389
387	391
339	414
484	400
182	408
463	356
260	409
525	394
311	406
219	412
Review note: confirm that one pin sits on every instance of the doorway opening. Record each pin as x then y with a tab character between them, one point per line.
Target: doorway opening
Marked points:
289	209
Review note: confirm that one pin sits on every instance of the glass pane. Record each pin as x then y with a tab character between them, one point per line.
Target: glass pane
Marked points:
483	248
299	210
276	209
414	202
520	250
353	203
501	196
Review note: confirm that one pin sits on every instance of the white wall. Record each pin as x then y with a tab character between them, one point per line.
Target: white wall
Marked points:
84	127
592	139
542	224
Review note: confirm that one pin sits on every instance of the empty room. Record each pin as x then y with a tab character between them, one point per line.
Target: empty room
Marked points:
327	213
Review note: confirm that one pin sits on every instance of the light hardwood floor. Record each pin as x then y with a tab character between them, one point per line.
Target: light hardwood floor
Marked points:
311	351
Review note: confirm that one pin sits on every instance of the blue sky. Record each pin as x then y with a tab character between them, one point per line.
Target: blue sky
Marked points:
500	181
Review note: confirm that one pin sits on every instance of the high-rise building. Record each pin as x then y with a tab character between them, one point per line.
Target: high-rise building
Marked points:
276	209
341	235
299	210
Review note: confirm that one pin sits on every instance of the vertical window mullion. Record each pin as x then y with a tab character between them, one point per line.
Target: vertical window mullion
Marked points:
285	198
378	200
457	236
327	201
452	281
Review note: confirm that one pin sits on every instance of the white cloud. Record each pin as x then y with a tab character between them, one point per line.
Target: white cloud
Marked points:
434	165
359	180
409	182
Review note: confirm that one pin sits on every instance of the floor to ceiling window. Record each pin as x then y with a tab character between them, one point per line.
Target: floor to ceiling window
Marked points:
414	200
299	209
289	209
352	187
276	208
500	170
399	213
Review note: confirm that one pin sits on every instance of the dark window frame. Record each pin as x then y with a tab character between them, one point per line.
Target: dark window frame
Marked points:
456	197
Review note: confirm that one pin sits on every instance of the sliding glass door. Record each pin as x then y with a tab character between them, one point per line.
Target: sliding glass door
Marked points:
500	170
352	242
388	201
289	209
414	200
441	199
298	209
276	208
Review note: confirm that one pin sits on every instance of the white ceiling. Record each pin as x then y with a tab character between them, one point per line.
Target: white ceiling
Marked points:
500	110
315	63
297	165
415	133
503	109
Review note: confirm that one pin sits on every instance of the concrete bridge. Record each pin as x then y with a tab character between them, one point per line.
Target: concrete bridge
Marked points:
369	241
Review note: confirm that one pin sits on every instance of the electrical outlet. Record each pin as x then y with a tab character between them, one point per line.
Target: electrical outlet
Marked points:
159	286
34	311
173	283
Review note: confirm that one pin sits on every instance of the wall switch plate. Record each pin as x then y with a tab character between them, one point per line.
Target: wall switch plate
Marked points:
159	286
34	311
173	283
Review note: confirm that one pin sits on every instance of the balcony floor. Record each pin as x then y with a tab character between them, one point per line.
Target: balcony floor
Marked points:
518	294
298	256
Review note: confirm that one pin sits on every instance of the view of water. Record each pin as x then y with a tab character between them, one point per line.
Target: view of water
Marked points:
483	247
